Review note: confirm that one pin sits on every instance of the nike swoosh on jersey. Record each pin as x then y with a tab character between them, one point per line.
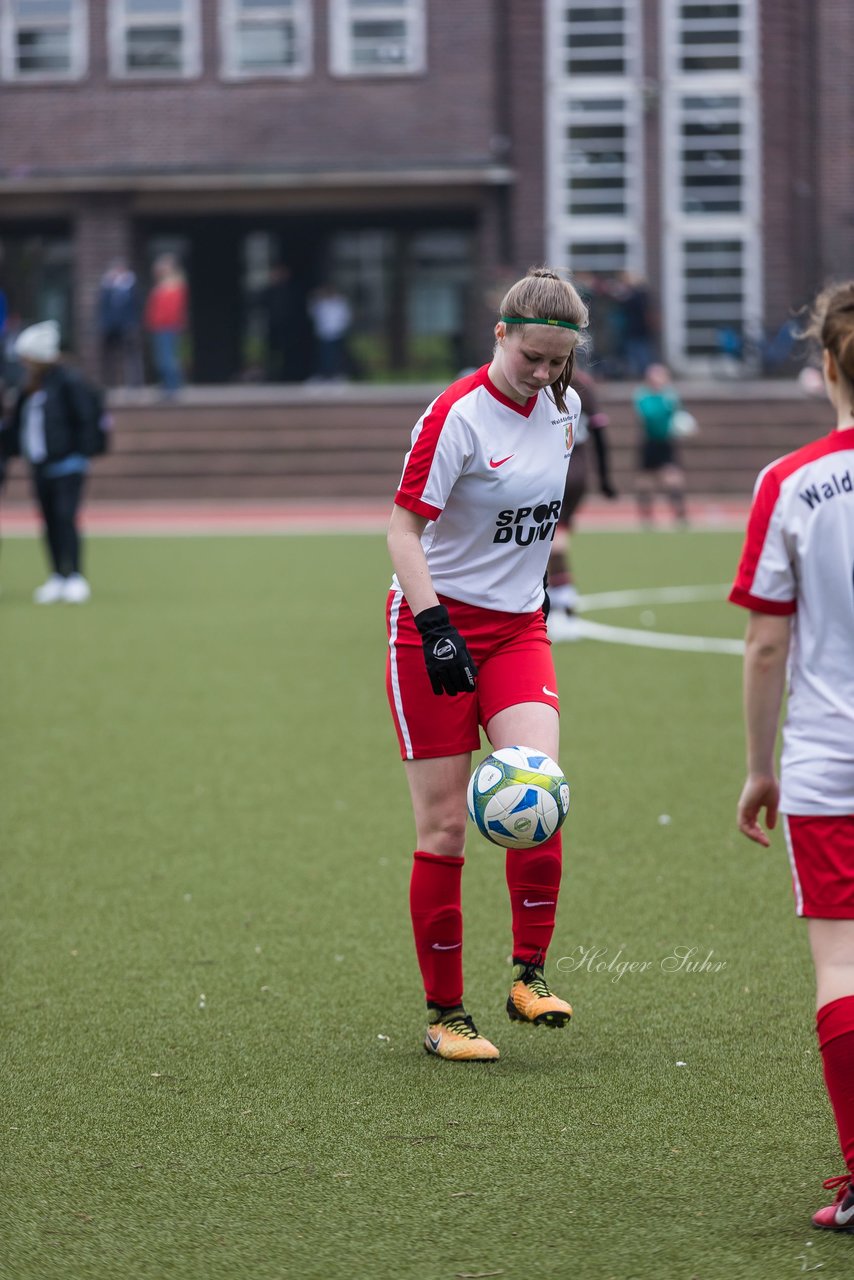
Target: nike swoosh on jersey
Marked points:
548	902
451	946
499	462
551	693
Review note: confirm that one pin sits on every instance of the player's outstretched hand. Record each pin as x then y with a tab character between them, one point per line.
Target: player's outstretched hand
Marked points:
450	666
759	792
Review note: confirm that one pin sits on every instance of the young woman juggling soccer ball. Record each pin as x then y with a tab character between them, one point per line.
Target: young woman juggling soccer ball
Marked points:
796	576
469	540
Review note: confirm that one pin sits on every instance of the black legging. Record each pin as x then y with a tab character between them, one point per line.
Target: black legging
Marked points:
59	500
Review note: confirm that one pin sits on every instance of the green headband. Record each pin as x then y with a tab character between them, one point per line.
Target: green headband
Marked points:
561	324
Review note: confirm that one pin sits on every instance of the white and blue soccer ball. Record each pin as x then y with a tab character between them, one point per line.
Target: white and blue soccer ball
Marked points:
518	797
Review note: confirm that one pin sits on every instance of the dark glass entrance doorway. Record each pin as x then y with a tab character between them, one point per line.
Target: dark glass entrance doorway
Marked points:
408	281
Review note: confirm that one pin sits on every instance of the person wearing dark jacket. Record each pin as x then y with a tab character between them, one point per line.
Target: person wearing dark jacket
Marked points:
590	433
51	425
119	327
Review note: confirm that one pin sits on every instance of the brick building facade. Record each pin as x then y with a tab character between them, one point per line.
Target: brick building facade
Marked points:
418	153
704	146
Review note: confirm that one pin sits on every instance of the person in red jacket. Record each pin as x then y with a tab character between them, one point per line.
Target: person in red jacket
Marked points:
166	320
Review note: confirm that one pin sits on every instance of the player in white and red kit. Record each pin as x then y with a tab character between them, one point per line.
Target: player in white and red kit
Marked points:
469	539
797	578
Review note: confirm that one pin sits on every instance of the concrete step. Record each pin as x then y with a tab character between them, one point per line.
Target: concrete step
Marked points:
350	441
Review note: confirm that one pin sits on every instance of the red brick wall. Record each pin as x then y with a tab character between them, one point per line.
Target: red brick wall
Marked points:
834	113
445	116
522	96
789	192
808	164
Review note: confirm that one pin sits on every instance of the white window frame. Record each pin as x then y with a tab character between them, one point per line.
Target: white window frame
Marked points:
564	228
120	22
680	226
680	25
342	15
231	18
78	26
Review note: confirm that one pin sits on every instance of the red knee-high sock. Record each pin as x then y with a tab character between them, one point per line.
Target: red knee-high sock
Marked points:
835	1025
533	878
437	921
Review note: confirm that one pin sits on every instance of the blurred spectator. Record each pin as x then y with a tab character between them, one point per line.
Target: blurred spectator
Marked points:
331	317
634	324
731	347
285	321
779	349
11	371
656	404
166	320
4	318
589	433
119	327
55	423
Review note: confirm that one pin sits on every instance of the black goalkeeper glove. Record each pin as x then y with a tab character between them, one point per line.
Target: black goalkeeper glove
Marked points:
450	666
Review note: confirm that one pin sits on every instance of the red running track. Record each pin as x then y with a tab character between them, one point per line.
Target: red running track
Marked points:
139	519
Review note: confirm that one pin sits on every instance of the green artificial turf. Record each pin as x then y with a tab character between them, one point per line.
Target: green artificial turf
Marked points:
212	1010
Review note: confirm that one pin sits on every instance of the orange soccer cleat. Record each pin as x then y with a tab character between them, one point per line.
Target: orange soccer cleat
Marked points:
452	1035
532	1000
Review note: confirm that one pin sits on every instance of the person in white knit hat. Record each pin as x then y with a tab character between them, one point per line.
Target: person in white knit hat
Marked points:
55	425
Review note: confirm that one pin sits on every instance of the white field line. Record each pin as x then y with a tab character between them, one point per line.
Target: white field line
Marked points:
657	639
586	629
651	595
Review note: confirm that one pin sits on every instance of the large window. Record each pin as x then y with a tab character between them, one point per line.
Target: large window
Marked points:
597	38
266	37
377	37
37	279
154	38
714	288
712	153
594	114
410	289
43	39
711	180
600	146
711	37
605	257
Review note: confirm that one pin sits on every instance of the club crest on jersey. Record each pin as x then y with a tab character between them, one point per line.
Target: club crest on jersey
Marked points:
565	421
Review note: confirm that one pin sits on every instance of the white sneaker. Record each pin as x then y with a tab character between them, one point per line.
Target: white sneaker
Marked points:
76	589
564	626
50	591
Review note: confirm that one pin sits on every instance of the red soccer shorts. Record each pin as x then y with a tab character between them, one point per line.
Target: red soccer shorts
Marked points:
514	664
821	851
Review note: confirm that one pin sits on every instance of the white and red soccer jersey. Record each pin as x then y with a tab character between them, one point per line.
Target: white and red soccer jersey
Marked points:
489	476
798	558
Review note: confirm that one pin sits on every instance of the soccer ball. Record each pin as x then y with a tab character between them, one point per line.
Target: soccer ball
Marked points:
518	797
